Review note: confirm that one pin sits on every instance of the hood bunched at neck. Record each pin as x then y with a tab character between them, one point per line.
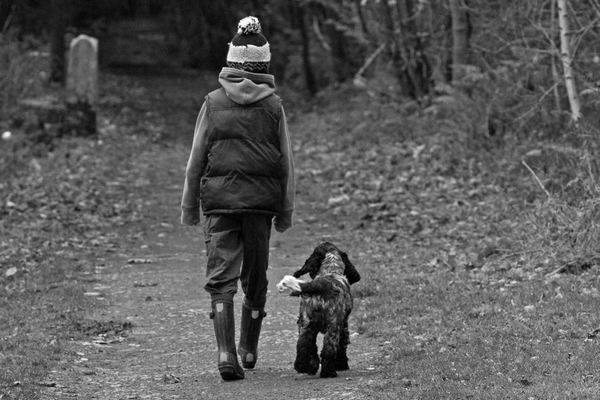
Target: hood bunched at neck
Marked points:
249	49
246	87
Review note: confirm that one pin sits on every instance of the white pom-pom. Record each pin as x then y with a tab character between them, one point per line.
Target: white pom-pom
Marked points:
249	25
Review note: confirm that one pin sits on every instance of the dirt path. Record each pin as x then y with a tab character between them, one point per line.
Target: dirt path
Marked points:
169	351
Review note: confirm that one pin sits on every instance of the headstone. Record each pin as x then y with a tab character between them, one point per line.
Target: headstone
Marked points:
82	72
82	86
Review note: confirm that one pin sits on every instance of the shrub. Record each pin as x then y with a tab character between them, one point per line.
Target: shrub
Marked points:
567	223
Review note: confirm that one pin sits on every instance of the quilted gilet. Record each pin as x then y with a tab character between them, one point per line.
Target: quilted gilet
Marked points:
243	171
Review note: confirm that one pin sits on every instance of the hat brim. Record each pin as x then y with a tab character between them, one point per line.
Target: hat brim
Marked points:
249	53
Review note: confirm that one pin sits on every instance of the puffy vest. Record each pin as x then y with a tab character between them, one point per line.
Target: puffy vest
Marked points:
243	171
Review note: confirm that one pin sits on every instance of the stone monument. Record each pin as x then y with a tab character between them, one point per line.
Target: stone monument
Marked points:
82	87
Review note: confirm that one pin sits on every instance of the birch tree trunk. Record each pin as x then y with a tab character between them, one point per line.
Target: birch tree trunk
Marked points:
555	75
567	60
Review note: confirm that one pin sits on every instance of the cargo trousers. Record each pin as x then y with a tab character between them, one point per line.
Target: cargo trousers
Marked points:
237	247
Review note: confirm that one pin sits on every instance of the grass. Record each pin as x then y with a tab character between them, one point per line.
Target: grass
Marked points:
459	335
457	270
37	310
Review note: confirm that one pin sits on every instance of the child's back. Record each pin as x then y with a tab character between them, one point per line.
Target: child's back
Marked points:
241	174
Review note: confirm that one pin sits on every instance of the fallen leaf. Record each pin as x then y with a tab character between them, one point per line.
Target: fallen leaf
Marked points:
139	261
47	383
338	200
170	379
144	284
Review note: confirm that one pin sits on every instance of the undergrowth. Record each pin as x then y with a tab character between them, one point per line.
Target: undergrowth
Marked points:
565	222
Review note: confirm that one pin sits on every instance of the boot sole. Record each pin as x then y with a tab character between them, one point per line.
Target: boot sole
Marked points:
229	373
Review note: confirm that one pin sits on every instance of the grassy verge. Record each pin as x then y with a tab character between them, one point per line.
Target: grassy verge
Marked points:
60	216
67	208
458	248
38	310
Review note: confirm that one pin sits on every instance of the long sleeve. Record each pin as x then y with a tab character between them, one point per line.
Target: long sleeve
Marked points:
190	202
284	221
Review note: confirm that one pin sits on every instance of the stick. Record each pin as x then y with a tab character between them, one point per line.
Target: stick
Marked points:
558	270
370	60
537	179
319	35
539	102
8	19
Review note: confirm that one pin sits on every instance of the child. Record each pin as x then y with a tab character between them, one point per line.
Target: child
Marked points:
241	173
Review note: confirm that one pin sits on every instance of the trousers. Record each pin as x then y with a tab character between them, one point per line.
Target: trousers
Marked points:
237	247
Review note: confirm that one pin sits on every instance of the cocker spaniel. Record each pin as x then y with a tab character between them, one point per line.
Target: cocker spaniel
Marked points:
325	305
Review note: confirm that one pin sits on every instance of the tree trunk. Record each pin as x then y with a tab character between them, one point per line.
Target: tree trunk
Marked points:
298	13
567	60
408	50
58	23
555	75
361	17
461	32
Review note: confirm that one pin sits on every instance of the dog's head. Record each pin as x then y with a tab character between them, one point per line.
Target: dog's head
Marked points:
326	258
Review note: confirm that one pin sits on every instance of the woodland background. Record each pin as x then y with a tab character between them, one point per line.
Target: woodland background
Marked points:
451	144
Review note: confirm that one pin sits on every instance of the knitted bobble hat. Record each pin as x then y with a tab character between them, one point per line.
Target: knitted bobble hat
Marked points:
249	49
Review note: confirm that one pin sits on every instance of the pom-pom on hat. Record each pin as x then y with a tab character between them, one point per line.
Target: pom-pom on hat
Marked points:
249	49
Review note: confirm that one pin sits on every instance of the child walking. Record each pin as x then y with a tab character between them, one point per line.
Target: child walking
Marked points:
241	173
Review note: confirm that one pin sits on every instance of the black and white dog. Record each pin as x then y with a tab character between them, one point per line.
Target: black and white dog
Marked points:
326	303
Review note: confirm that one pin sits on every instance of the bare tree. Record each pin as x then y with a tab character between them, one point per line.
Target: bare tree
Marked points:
298	13
461	36
407	47
567	60
553	67
58	24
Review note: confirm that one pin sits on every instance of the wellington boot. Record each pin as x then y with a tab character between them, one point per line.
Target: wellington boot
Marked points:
249	334
222	316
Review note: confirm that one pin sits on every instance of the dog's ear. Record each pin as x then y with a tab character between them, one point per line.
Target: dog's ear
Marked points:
349	269
312	264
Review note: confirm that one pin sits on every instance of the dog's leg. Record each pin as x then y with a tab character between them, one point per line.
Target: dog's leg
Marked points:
307	358
329	353
341	359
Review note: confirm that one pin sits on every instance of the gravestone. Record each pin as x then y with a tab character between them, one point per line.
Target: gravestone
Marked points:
82	87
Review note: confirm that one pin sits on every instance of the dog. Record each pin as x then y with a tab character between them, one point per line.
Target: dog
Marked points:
326	303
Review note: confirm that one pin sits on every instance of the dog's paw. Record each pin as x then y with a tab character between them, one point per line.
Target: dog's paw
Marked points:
289	283
307	364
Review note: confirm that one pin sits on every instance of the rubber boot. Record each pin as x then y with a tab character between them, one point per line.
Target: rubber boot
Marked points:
222	316
250	331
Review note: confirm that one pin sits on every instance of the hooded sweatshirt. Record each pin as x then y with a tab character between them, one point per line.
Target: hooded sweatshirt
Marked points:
243	88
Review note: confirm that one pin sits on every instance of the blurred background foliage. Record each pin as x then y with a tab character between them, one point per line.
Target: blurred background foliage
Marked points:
498	59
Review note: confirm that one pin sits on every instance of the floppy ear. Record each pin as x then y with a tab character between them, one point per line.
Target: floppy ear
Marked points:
349	269
311	265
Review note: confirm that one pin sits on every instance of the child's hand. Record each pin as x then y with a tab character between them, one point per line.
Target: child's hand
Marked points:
289	283
283	222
